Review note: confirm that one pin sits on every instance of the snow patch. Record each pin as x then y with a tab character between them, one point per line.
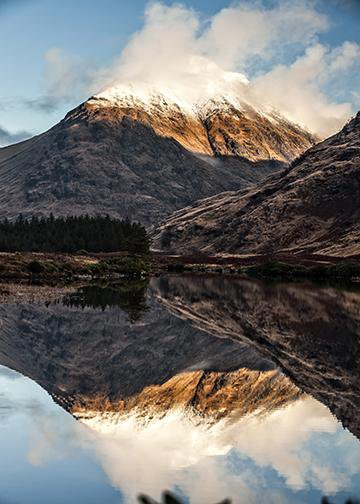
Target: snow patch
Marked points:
217	97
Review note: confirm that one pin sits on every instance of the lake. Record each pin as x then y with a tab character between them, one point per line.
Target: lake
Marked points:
211	387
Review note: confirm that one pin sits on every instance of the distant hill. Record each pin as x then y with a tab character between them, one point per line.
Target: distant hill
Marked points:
313	206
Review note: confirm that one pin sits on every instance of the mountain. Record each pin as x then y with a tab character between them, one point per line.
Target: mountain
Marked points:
313	206
79	349
144	155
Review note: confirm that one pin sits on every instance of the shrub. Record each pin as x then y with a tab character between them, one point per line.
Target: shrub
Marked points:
277	270
128	265
346	269
82	252
124	265
320	271
35	267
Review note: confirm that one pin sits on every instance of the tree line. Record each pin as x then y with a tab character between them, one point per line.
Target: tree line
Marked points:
72	234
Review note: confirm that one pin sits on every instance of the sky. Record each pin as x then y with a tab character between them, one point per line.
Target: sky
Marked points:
300	56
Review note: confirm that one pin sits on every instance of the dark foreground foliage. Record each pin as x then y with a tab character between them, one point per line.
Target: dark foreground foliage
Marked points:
72	234
67	267
131	266
168	498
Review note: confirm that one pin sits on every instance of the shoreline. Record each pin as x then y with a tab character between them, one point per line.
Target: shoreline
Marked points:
33	267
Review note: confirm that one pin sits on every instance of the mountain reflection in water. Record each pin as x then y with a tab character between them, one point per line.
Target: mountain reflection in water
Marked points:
209	386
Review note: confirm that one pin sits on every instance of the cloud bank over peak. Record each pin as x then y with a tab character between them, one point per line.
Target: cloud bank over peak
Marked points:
267	55
296	90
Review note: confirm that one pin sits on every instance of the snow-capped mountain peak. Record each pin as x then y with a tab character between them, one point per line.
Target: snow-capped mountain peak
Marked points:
230	88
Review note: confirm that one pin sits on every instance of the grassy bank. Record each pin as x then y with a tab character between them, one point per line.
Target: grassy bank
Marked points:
70	267
289	267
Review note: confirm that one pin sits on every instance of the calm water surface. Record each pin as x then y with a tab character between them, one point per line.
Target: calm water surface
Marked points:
211	387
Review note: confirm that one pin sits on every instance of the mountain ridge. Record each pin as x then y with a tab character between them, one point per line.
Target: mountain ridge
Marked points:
310	333
201	114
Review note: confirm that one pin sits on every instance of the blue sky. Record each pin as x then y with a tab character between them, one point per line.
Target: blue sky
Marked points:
92	34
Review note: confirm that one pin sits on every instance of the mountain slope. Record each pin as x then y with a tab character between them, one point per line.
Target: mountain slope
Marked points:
313	206
143	158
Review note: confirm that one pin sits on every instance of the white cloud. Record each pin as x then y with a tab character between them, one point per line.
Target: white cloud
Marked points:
295	90
176	40
345	56
7	137
66	79
178	49
208	463
240	32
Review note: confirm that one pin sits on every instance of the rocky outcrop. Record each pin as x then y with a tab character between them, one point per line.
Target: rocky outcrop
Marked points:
128	158
311	207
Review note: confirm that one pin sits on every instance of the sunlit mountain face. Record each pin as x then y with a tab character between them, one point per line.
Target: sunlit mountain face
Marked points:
208	386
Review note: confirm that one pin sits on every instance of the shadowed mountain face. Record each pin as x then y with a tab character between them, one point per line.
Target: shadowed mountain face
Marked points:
312	334
311	207
141	161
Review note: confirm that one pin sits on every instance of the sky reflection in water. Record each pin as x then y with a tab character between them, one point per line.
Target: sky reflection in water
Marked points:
299	452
